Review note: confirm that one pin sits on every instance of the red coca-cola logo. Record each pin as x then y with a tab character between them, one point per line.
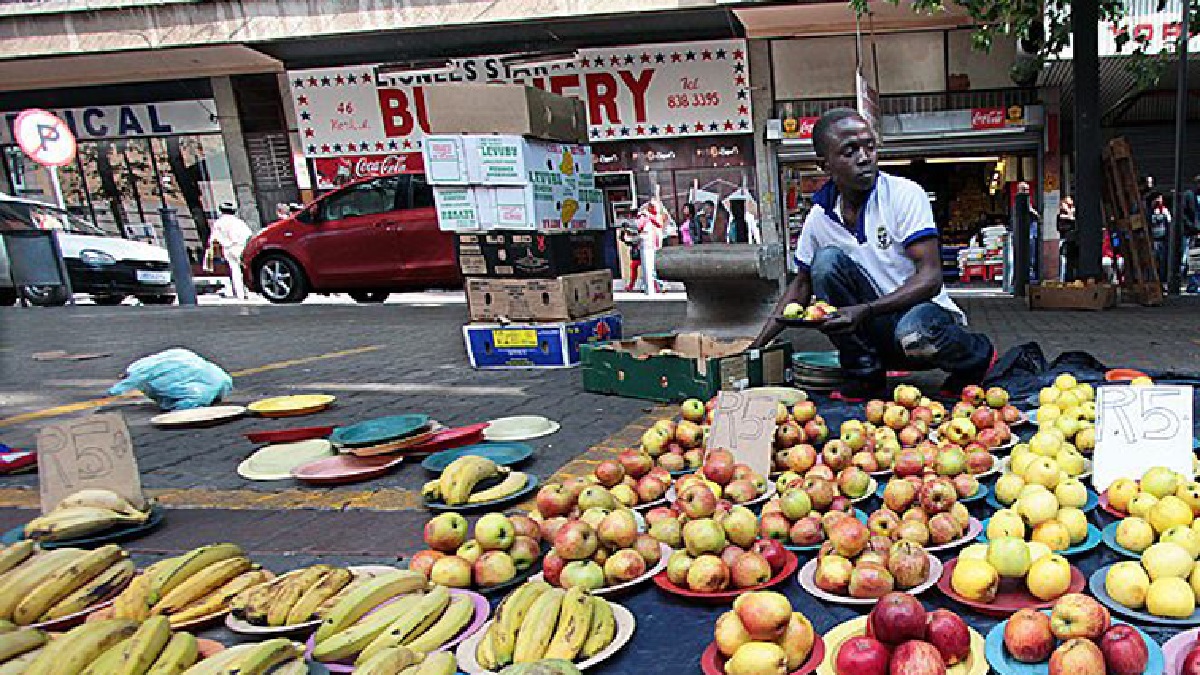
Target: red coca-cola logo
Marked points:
377	165
806	126
987	118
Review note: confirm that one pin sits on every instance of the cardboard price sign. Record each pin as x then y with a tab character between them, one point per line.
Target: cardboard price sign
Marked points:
744	424
1142	427
93	452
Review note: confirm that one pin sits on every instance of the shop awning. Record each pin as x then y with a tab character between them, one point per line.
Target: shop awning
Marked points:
941	144
134	66
821	17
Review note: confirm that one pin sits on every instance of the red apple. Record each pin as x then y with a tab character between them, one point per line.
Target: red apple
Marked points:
862	656
552	567
1077	656
554	500
1124	650
635	462
916	657
950	635
609	472
1191	662
718	466
1027	636
774	552
898	617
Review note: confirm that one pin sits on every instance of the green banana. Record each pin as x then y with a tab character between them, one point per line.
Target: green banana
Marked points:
20	641
221	663
107	662
19	582
183	567
180	654
64	581
509	617
268	655
95	591
574	622
20	665
602	630
329	585
388	661
142	650
83	644
402	630
455	618
538	627
371	594
17	553
354	639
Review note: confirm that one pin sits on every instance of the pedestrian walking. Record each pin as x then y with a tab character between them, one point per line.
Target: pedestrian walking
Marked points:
1068	234
689	226
231	234
630	238
650	236
1160	226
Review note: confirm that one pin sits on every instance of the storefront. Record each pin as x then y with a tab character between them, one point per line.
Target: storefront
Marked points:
133	159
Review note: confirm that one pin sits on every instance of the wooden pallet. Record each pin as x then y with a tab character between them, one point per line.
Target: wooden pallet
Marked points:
1125	213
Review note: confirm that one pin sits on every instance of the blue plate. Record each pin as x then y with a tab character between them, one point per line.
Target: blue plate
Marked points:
123	533
439	505
1110	540
1004	664
981	493
1092	541
1090	505
1096	585
858	513
378	431
504	454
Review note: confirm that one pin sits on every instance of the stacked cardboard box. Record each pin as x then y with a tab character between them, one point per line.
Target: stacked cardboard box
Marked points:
516	184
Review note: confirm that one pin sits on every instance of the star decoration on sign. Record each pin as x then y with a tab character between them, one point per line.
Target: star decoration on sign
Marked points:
743	124
641	130
691	56
379	146
339	80
720	54
309	133
609	132
728	125
742	94
352	79
392	145
614	60
713	126
676	57
595	133
298	83
660	57
598	62
739	54
407	144
368	79
324	81
624	131
312	149
645	57
743	110
302	100
653	129
669	129
629	59
683	128
706	55
337	147
312	81
305	115
325	149
739	68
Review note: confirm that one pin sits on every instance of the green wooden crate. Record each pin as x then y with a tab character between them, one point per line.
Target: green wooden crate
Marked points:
693	366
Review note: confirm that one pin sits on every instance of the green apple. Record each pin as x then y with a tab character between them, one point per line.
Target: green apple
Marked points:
1037	551
1167	559
976	551
1160	482
1141	504
1005	523
1010	557
1071	492
1008	488
1127	583
793	310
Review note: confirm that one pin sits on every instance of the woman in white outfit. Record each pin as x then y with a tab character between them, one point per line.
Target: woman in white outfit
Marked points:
231	233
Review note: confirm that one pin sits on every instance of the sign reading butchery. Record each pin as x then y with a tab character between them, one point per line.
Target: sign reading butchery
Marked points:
632	93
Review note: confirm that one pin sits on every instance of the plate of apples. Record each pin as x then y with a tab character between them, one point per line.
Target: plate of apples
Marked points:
1077	638
1182	653
701	572
816	314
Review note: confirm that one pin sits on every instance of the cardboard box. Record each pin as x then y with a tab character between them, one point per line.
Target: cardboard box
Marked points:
505	109
507	160
674	367
530	255
458	209
1090	297
533	208
562	299
537	345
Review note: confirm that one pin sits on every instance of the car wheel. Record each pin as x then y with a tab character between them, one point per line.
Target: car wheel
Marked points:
281	280
45	296
8	297
156	299
370	296
108	299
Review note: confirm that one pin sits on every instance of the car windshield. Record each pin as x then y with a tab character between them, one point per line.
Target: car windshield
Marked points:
23	216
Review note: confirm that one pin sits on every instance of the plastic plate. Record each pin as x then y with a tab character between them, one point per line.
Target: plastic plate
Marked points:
803	323
465	654
1004	664
406	444
345	469
199	417
381	430
974	529
858	513
808	583
122	533
1090	505
1094	537
519	428
288	435
789	567
712	661
976	663
289	406
1109	536
246	628
530	485
664	553
1109	508
981	493
1176	649
1012	596
1096	586
504	454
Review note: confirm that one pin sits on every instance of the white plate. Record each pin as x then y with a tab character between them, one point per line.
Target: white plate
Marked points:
665	553
1003	462
519	428
871	489
465	654
282	458
807	573
245	628
206	415
767	494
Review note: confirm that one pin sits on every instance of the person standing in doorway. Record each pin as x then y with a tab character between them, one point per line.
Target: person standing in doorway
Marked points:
1069	234
630	238
689	227
231	234
650	234
1160	226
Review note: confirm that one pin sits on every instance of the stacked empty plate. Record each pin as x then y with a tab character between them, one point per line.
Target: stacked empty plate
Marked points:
276	462
820	371
384	435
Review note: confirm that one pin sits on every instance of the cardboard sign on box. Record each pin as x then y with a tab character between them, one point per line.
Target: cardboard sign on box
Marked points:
93	452
505	109
536	345
529	255
567	297
507	160
744	424
1142	427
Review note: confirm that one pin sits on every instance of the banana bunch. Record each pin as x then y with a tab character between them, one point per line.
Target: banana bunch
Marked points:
84	513
404	661
419	621
99	648
45	585
279	656
537	622
296	597
458	482
198	584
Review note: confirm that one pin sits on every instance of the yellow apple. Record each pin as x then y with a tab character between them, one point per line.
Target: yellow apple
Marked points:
1171	597
1169	512
1048	395
1048	413
1167	559
1190	494
975	580
1005	523
1043	471
1071	492
1070	460
976	551
1032	489
1037	508
1085	391
1194	581
1037	551
1135	534
1121	492
1141	504
1008	488
1141	382
1075	521
1160	481
1053	534
1045	443
1065	382
1085	440
1049	577
1009	556
1020	449
1127	583
1020	464
1185	536
1068	400
1058	434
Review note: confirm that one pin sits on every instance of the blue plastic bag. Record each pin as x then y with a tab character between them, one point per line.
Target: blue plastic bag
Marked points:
176	379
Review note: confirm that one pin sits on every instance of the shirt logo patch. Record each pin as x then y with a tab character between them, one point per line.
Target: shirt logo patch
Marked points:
882	238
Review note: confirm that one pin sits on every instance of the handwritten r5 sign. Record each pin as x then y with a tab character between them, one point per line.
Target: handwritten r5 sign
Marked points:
92	452
1142	427
744	424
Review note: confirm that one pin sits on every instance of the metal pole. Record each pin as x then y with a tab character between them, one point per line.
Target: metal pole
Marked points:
1021	259
57	187
181	266
1089	141
1175	232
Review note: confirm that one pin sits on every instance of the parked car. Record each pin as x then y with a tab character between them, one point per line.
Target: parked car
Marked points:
368	238
108	267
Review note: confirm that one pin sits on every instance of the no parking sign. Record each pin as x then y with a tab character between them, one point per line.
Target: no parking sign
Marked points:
44	137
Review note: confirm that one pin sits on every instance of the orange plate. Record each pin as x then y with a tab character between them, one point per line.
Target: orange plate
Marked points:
1120	374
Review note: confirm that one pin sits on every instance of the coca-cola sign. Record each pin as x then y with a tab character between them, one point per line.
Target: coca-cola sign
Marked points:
987	118
799	127
334	172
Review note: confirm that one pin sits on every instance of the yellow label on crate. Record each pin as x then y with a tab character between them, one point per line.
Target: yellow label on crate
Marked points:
510	338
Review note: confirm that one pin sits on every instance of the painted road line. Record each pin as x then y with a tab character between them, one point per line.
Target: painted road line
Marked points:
81	406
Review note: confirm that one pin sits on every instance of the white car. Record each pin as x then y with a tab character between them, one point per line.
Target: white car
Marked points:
107	267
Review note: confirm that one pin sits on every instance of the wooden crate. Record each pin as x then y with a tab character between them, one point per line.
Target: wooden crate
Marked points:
1089	297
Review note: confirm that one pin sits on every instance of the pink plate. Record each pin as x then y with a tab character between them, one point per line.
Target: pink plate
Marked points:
1176	649
712	661
289	435
1104	504
789	568
482	608
1012	596
345	469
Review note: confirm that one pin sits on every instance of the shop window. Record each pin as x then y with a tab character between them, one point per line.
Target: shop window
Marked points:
422	192
364	199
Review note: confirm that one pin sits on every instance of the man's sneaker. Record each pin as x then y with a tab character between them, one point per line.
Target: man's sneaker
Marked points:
954	384
860	388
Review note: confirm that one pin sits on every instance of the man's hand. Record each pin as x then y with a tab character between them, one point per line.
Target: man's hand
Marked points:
847	319
768	333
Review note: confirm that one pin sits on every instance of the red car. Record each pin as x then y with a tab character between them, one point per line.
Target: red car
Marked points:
368	238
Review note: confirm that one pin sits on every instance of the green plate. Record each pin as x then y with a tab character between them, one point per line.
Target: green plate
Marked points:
817	359
381	430
502	453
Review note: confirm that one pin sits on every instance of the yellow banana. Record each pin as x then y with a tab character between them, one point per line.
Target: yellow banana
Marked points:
25	578
462	475
509	617
221	662
180	654
107	662
132	603
251	604
20	641
201	583
513	482
401	631
349	588
432	490
353	640
17	553
218	600
268	655
330	583
371	594
183	567
20	664
76	521
538	627
287	593
142	650
100	499
485	654
455	618
602	630
293	667
80	646
64	581
100	588
574	622
388	661
441	663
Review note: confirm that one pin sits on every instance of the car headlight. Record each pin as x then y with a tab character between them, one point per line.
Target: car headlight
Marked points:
96	258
